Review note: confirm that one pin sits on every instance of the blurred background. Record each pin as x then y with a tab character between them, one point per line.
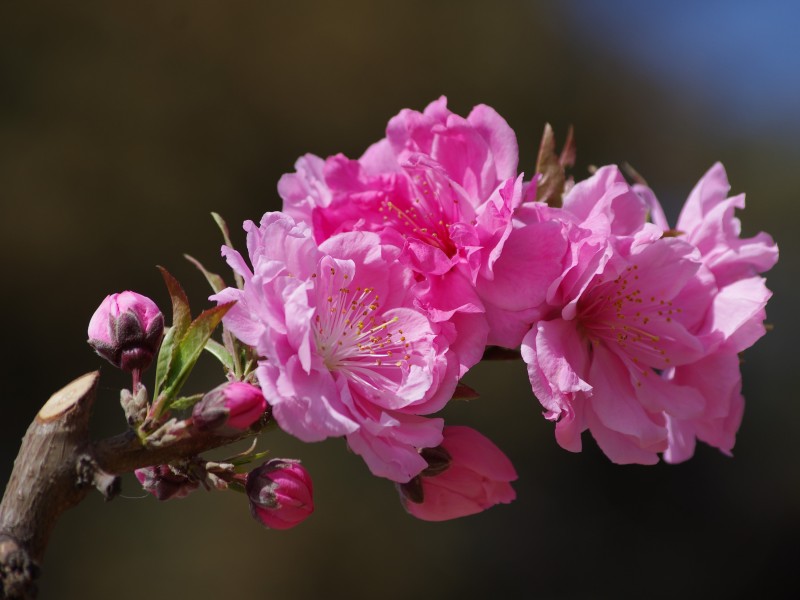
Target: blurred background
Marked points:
123	125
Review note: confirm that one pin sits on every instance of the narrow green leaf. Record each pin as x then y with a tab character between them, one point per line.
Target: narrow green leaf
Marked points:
223	227
164	358
226	235
215	281
245	460
181	314
221	353
185	402
189	348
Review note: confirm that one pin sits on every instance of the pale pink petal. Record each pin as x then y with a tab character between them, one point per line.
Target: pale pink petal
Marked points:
308	405
389	443
501	139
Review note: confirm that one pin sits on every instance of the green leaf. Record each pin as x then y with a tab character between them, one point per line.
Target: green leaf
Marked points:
221	353
245	460
226	235
181	318
223	227
185	402
164	359
188	350
215	281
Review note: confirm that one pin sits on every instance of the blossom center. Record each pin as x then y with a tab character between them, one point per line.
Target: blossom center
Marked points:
629	321
351	333
429	212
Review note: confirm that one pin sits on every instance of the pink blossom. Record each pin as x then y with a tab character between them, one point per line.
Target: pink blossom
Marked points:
552	254
440	187
126	329
280	493
636	341
467	475
344	351
736	319
629	306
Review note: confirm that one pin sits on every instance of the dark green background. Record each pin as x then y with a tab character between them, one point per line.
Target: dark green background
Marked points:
122	125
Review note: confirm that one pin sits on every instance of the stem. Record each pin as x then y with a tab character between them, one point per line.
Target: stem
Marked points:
136	374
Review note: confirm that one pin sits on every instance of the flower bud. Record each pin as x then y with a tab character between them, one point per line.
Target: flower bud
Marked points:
280	493
235	406
466	475
126	330
164	482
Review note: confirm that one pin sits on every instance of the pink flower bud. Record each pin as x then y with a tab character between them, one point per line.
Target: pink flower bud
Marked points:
164	482
280	493
466	475
234	406
126	330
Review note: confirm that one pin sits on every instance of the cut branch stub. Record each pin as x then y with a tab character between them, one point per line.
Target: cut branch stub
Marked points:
44	483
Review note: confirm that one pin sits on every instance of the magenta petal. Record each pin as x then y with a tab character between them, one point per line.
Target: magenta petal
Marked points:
425	258
615	404
308	405
389	443
479	452
682	440
501	139
712	189
556	359
477	477
531	260
620	448
739	312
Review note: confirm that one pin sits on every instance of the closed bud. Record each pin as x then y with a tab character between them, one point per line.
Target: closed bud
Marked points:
280	493
126	330
164	482
234	406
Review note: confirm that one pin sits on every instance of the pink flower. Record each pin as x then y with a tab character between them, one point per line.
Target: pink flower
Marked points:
344	350
636	341
280	493
467	474
629	306
440	187
736	320
552	254
126	330
235	406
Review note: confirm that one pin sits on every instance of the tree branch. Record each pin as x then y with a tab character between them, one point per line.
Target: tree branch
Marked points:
57	466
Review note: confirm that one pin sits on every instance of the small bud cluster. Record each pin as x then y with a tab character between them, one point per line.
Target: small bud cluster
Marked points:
127	330
280	490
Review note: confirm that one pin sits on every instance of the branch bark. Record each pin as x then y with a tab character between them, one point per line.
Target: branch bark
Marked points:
58	465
